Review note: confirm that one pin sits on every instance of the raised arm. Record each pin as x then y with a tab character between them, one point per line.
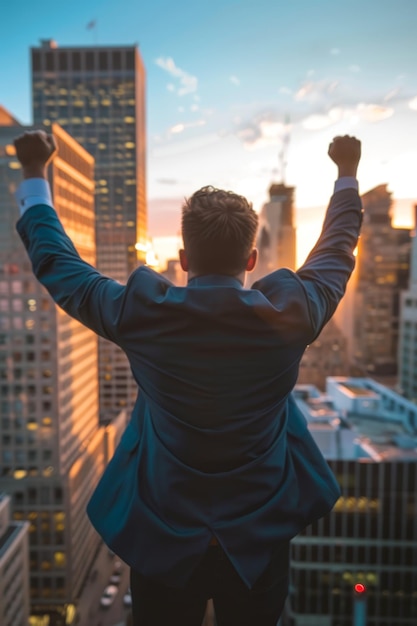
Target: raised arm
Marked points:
77	287
326	271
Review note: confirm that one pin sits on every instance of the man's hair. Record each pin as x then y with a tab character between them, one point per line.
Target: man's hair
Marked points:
218	229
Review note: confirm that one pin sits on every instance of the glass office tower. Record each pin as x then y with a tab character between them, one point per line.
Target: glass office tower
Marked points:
98	96
52	452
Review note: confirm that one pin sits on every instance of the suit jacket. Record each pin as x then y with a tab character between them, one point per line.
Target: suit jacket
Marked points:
215	444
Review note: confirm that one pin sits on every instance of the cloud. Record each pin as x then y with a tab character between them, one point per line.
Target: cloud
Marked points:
361	112
374	112
187	83
391	94
319	121
262	131
314	91
413	104
285	90
179	128
335	51
234	80
167	181
354	68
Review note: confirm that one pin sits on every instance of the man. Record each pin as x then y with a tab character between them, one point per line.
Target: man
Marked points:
216	470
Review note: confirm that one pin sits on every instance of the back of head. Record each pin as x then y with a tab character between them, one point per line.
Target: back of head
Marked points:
218	229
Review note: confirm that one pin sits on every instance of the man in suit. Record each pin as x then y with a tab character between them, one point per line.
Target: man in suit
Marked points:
216	470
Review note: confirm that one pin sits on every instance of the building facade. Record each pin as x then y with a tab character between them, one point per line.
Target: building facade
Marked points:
14	568
52	450
175	273
373	296
407	349
276	232
98	96
326	356
368	434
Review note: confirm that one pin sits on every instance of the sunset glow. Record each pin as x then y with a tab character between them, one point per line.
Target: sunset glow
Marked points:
221	112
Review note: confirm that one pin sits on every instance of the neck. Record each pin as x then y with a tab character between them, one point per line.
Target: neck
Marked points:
240	277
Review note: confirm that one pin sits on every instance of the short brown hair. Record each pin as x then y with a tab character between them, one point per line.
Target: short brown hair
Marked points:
218	229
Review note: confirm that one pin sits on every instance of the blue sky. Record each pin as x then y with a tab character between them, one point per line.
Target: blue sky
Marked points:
228	82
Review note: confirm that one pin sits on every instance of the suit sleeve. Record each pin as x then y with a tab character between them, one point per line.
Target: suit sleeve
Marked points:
78	288
326	271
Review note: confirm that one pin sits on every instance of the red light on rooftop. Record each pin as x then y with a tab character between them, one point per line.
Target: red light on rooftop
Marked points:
359	588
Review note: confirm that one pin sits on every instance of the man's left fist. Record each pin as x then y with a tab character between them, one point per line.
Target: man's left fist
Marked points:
35	149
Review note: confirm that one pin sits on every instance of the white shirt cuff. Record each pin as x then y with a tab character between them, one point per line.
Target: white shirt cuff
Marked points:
31	192
346	182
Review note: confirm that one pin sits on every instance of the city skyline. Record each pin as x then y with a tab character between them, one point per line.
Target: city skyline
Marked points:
236	140
227	88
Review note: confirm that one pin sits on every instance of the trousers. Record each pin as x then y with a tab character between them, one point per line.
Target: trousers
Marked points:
155	604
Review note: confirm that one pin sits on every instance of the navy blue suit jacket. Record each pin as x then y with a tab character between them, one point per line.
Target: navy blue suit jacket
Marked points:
215	445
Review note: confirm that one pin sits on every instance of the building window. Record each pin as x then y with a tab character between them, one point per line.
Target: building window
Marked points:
59	559
102	60
89	60
63	61
130	60
32	495
36	61
17	286
117	60
76	61
49	62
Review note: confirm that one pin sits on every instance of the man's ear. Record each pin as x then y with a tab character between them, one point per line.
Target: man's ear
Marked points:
253	257
183	260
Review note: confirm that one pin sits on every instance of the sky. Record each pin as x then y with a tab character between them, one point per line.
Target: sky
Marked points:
231	85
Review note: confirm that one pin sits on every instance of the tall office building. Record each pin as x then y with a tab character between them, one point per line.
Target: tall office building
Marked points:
407	345
276	233
368	434
373	296
98	96
14	568
326	356
52	450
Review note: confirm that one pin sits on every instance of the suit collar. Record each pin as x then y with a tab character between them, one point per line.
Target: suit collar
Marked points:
215	280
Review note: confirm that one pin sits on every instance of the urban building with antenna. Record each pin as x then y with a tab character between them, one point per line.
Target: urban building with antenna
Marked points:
276	241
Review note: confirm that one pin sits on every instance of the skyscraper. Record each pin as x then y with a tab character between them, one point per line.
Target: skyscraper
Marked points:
98	96
52	451
407	347
326	356
14	568
276	233
373	296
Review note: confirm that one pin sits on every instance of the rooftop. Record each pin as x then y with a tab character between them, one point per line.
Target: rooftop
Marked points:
358	391
359	418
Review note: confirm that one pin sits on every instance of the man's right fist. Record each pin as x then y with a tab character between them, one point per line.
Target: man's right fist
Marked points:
346	153
34	149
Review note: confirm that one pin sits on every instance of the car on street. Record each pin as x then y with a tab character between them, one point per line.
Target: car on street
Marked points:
115	578
108	596
127	598
117	566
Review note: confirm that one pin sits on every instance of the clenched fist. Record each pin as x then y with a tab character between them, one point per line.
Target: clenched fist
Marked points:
35	149
346	153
